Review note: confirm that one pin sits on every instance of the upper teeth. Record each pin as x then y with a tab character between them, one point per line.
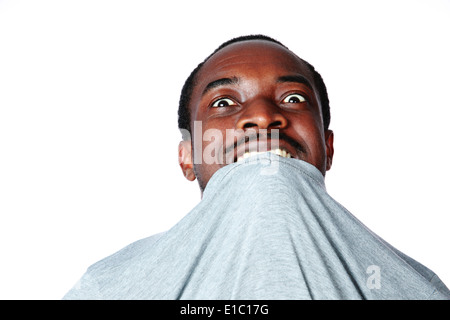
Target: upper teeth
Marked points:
280	152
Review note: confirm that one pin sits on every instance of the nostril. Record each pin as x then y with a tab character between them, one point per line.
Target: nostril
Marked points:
249	125
275	125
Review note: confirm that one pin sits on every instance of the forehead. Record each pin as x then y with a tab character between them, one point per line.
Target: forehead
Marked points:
256	58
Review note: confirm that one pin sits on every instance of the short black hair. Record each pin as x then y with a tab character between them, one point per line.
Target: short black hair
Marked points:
184	118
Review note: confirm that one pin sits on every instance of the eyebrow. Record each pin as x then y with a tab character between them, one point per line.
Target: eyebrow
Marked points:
220	82
234	80
295	78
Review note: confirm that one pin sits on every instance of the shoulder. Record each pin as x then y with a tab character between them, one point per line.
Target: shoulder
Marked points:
104	275
127	253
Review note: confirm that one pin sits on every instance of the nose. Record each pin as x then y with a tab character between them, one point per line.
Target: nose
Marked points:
261	114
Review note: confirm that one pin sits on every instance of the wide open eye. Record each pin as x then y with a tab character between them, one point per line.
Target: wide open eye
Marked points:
223	102
294	98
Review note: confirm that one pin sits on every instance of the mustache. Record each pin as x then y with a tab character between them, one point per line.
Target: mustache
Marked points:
258	136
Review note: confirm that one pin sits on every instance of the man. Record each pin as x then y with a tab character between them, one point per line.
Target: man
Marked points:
265	227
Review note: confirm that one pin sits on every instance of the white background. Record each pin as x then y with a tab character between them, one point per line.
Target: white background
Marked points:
88	121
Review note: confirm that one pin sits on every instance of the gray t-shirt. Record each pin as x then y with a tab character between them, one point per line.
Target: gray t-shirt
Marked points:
265	228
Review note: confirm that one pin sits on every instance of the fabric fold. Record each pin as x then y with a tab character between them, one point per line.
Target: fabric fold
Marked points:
266	228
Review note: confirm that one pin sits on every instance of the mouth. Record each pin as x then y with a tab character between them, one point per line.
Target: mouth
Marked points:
279	152
280	144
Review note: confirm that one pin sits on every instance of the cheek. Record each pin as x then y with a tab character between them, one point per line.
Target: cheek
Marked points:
215	130
209	139
310	132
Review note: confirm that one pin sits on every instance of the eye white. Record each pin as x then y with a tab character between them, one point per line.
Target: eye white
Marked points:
224	102
294	98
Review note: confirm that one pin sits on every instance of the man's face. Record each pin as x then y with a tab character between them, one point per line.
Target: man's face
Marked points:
254	86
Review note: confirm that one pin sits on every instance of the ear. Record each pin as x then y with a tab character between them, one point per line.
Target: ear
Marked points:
329	140
185	159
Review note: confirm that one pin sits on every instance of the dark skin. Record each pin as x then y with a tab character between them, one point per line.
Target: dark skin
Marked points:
261	86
